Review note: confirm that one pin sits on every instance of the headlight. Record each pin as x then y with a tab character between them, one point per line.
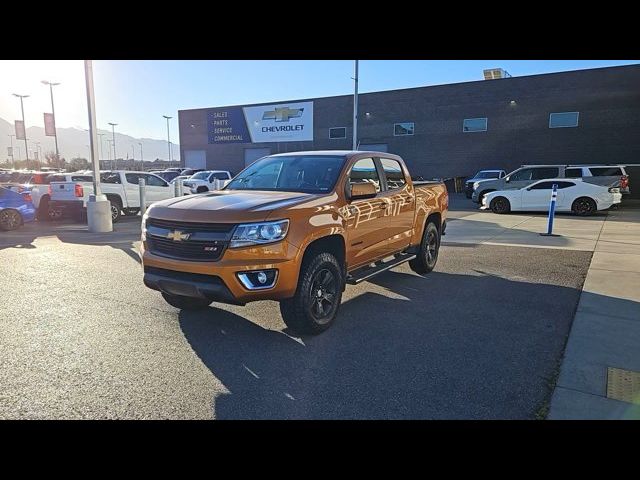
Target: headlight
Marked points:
143	226
475	185
259	233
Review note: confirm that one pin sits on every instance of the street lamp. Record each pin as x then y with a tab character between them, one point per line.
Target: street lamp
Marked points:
168	138
53	113
38	155
113	132
21	97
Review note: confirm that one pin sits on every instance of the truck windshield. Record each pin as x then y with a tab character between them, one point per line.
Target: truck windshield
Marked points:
304	173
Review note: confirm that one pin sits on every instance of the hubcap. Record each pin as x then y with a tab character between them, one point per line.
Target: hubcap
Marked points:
9	219
323	295
114	212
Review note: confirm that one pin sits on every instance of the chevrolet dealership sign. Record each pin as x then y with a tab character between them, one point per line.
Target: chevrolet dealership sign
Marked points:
287	122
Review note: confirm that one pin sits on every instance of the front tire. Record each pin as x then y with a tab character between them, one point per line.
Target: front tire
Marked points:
130	212
10	219
314	306
427	256
185	303
202	190
500	205
584	206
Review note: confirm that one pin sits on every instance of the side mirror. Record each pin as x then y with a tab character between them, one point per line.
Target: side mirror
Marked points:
360	191
528	189
506	179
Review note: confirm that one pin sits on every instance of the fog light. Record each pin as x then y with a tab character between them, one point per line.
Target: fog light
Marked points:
258	279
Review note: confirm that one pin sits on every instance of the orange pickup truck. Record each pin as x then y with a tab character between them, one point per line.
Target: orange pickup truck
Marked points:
296	228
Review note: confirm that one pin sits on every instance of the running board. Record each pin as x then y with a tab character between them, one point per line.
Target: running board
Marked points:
365	273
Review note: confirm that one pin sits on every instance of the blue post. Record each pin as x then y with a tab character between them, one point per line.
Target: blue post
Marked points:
552	211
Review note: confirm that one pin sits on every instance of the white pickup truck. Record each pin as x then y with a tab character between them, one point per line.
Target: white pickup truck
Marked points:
120	187
207	180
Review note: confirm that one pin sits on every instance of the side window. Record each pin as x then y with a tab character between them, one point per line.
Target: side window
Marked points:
543	186
565	185
133	178
110	178
524	174
605	171
573	173
542	173
219	176
153	181
81	178
394	174
364	171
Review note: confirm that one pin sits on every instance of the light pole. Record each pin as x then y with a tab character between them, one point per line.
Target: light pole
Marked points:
13	159
355	108
109	149
53	113
38	155
113	132
168	138
21	97
141	156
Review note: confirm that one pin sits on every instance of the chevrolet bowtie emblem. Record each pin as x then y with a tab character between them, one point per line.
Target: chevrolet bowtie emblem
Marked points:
178	236
283	114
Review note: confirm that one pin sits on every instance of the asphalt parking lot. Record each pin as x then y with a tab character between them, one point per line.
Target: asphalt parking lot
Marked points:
480	338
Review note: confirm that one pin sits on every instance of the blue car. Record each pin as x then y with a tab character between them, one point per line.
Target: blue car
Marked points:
15	209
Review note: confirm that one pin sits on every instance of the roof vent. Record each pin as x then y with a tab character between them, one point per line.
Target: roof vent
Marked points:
494	73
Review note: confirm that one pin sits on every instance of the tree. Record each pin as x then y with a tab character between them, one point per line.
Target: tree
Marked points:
78	163
54	161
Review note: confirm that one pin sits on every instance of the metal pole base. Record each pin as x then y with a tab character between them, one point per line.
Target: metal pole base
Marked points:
550	235
99	214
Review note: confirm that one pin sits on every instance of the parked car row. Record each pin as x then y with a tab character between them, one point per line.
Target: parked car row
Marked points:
601	186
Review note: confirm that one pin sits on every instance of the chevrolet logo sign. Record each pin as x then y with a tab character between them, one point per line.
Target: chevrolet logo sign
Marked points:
178	236
283	114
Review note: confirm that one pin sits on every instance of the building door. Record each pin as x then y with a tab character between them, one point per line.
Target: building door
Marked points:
195	159
253	154
374	147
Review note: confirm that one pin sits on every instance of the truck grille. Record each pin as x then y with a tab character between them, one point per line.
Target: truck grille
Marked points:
191	226
188	240
190	250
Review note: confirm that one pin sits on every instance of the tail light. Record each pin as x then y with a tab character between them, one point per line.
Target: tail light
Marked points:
27	197
624	181
50	191
79	190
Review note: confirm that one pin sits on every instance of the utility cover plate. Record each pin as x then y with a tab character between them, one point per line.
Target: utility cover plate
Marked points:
623	385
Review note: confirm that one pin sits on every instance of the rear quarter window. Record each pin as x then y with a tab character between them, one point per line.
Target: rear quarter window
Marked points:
605	171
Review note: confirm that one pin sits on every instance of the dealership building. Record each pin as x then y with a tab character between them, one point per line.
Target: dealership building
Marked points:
579	117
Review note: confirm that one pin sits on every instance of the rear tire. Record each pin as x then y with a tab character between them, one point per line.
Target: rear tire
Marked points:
500	205
314	306
10	219
43	210
427	256
185	303
130	212
584	206
202	190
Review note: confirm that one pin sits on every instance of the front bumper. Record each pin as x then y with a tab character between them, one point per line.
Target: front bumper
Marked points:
218	280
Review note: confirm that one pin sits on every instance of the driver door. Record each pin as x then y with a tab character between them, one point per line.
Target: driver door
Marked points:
366	220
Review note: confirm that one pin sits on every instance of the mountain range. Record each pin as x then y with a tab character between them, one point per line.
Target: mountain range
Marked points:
74	142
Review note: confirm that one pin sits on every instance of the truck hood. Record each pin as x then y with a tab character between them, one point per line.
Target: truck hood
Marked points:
233	206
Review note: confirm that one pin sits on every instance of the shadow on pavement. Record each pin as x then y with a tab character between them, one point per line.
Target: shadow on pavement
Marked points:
124	236
465	346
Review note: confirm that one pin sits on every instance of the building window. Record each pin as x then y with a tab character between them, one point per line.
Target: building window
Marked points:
405	128
474	125
563	119
338	132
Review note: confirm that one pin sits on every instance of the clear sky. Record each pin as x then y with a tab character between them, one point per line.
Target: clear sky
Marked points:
135	94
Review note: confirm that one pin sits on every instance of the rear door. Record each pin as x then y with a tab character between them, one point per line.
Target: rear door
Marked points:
399	211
